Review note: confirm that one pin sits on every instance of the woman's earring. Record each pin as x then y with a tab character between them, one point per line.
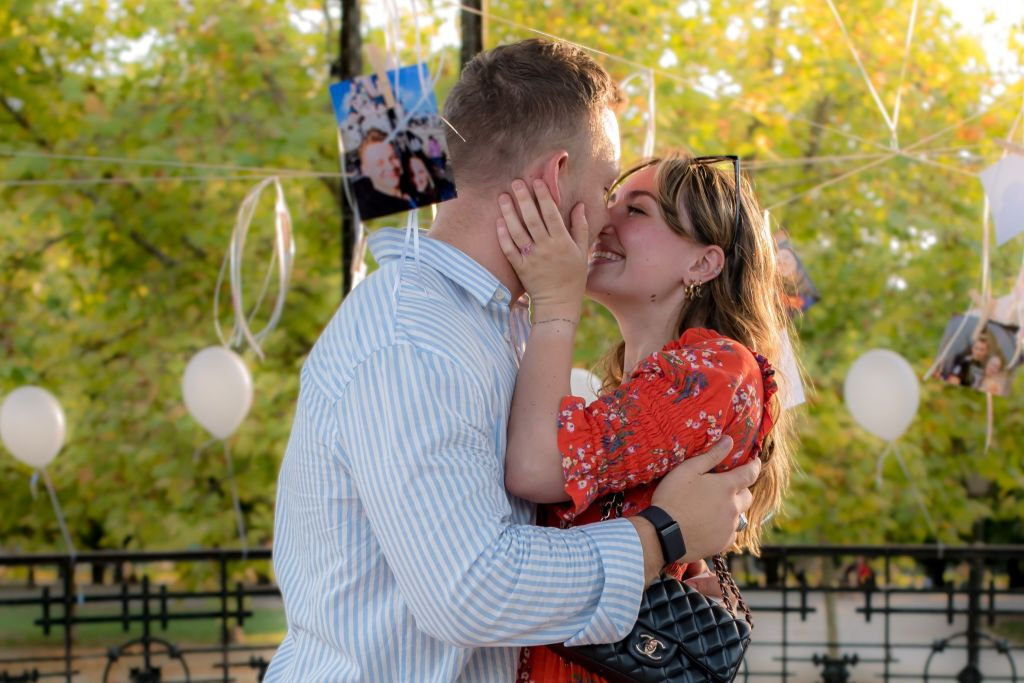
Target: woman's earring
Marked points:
693	290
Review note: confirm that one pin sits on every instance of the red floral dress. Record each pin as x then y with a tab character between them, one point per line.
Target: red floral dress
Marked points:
676	403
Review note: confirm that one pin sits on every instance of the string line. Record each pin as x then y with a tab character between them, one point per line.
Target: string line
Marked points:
696	86
860	65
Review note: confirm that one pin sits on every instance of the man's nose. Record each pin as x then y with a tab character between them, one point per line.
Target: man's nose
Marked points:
595	235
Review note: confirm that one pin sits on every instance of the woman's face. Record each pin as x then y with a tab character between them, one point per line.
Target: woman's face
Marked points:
638	260
420	174
994	365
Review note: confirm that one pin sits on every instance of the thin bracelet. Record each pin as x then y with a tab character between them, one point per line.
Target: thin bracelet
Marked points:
555	319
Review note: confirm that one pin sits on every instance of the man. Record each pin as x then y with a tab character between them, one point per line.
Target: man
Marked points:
398	551
380	192
968	369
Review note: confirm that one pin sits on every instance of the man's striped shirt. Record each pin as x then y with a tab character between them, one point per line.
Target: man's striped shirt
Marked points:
399	553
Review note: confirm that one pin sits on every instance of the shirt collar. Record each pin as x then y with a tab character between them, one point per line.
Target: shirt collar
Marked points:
388	244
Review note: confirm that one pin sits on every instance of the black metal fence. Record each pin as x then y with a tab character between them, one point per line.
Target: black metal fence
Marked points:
832	613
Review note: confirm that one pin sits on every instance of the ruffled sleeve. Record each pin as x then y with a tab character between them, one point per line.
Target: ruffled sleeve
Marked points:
676	403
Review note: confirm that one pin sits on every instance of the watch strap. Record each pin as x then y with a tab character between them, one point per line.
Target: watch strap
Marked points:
673	548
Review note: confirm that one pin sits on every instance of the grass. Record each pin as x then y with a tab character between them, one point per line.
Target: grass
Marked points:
1011	629
18	628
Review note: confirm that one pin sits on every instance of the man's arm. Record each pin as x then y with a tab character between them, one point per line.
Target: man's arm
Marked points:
418	441
705	504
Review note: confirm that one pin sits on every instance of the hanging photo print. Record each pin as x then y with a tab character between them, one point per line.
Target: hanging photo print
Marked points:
394	152
981	362
800	292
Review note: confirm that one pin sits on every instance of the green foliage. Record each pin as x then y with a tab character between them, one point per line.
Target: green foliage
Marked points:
105	289
894	249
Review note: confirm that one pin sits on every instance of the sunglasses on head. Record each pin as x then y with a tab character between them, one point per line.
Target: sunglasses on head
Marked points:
709	160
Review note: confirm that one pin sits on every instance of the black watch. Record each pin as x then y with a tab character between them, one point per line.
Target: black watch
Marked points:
671	538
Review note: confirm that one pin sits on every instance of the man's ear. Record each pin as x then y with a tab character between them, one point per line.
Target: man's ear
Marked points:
553	172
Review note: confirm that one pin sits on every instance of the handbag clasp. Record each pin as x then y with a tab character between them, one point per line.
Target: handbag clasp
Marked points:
649	646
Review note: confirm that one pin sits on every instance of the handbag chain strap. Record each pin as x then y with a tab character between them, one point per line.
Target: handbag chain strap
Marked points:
729	587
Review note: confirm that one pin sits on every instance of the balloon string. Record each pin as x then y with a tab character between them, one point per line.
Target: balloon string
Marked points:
33	484
60	516
239	518
199	449
881	461
914	490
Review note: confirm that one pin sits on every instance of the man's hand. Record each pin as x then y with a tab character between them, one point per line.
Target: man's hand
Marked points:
706	505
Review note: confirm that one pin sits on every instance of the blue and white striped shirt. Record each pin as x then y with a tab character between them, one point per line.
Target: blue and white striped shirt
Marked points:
399	553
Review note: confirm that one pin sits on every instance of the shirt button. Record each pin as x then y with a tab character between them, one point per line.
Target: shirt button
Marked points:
499	296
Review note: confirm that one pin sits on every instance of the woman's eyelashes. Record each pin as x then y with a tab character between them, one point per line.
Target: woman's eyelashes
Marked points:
634	210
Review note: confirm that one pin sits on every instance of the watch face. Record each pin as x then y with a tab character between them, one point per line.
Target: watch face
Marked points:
672	542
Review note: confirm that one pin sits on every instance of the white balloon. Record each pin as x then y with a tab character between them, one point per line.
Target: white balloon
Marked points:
584	384
32	425
882	393
218	390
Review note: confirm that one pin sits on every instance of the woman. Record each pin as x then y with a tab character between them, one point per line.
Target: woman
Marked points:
691	278
996	377
421	182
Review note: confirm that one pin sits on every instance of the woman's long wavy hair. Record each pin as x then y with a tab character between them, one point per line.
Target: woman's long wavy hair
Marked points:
744	302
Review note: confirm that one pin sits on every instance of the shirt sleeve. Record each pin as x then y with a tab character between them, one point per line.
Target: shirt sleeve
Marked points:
677	404
419	442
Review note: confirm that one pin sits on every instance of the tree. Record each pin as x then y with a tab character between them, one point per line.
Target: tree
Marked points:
105	289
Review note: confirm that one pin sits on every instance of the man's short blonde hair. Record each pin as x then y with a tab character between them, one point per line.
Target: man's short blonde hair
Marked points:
519	100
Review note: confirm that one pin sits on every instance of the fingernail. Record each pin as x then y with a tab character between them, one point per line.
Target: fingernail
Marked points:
504	199
518	185
538	184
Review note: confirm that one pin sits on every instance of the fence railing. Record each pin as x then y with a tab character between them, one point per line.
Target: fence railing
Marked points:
830	613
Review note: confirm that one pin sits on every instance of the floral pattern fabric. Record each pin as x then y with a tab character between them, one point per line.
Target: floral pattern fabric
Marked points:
676	403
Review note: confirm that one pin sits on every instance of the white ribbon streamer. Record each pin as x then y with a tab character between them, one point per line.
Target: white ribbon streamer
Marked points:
647	76
357	266
283	256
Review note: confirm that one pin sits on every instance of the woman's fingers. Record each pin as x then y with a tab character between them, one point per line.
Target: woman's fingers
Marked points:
528	209
515	227
580	230
548	209
508	246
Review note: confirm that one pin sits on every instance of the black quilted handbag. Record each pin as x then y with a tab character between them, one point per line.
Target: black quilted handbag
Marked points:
680	637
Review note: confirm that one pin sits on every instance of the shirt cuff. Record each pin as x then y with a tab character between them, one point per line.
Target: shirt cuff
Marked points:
622	561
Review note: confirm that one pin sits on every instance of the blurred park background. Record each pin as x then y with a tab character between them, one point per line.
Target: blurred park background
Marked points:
131	131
